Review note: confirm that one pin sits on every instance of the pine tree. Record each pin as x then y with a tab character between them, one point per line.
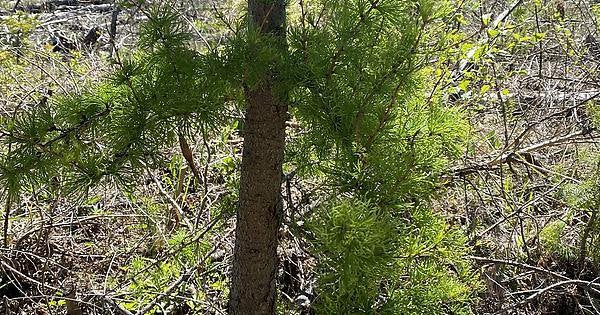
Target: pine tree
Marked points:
354	74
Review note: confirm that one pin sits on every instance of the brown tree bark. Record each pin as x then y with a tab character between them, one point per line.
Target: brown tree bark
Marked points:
253	290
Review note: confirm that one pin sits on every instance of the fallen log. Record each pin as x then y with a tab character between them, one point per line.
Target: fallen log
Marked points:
65	5
560	96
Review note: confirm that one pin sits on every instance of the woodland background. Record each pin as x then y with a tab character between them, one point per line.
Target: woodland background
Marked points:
525	194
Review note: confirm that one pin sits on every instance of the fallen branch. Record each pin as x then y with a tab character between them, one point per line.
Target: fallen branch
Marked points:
561	96
507	156
117	306
518	264
25	277
64	5
175	285
586	285
581	283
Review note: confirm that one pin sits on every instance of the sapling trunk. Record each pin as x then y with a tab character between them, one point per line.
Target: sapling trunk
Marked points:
253	289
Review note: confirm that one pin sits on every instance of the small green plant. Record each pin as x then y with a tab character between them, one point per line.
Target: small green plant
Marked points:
18	27
358	249
150	276
373	262
584	199
551	239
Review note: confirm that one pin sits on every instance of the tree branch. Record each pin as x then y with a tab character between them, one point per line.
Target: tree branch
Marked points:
510	155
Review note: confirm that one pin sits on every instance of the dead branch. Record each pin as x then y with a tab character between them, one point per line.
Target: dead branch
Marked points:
518	264
510	155
65	5
581	283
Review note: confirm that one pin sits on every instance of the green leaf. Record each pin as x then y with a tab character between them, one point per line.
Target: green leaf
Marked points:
486	18
484	88
464	84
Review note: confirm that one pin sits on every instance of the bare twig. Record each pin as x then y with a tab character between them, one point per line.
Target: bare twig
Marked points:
171	200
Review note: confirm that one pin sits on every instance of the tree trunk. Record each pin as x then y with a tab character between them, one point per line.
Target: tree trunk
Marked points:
253	288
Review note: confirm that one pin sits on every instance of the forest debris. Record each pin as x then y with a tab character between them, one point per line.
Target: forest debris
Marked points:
92	36
65	5
509	155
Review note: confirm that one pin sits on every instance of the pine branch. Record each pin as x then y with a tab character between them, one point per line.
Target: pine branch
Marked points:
79	127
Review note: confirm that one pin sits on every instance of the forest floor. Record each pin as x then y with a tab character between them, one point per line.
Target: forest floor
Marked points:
518	193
